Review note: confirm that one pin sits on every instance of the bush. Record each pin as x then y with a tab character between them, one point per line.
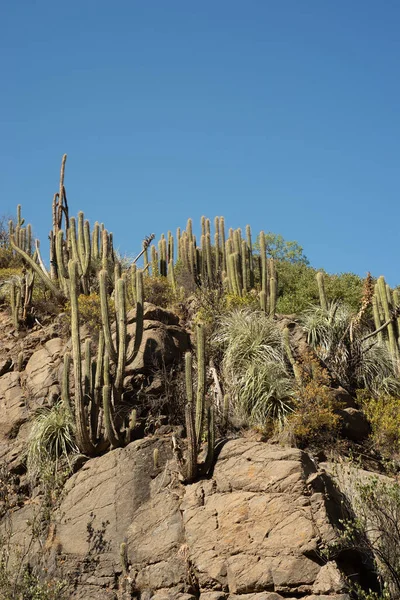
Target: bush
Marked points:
314	420
374	530
158	290
383	413
89	308
28	585
298	289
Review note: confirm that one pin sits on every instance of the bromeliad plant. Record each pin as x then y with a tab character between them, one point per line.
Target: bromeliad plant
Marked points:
254	366
358	355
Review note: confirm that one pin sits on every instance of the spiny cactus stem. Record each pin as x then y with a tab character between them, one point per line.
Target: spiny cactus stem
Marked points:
201	381
82	433
45	278
103	283
321	289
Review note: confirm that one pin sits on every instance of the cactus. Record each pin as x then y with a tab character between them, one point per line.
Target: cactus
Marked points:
383	299
83	437
273	289
263	257
321	290
15	303
201	381
289	354
171	275
123	554
20	361
118	351
155	458
195	418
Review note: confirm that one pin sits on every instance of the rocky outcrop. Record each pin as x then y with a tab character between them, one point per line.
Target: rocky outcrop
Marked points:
255	530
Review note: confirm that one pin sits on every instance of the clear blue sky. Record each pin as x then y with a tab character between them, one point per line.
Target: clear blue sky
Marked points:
281	114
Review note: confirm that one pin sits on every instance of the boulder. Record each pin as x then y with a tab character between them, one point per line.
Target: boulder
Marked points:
42	369
354	424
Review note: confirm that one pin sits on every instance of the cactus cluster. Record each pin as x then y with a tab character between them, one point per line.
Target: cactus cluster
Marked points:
219	259
100	422
198	415
386	311
91	250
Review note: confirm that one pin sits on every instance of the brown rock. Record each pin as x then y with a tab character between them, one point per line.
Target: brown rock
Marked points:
329	580
354	424
13	410
42	368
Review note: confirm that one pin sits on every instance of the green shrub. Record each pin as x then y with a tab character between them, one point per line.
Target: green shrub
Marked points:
89	307
158	290
27	585
374	530
298	289
383	413
314	420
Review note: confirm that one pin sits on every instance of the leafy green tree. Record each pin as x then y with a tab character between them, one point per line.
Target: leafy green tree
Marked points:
297	287
281	249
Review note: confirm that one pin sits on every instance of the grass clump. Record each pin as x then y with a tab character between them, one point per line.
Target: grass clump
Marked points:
51	441
253	366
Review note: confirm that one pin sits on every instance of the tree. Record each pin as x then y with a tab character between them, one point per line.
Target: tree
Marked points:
281	249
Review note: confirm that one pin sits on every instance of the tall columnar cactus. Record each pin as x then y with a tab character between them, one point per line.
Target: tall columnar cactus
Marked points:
388	315
263	273
289	354
396	306
194	417
118	349
224	266
376	314
250	256
273	289
59	211
201	381
321	290
85	393
162	253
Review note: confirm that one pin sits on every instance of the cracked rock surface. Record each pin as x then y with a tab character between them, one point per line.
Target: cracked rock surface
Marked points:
253	531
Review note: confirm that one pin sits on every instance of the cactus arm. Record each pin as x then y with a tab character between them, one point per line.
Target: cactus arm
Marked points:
139	318
321	289
45	278
103	280
201	380
82	434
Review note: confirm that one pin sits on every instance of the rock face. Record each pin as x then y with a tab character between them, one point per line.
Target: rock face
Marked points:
163	342
254	531
127	528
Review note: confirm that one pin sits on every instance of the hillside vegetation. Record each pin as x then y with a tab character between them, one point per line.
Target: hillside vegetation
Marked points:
276	345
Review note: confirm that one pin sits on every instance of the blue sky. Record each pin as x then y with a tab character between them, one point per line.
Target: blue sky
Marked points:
281	114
